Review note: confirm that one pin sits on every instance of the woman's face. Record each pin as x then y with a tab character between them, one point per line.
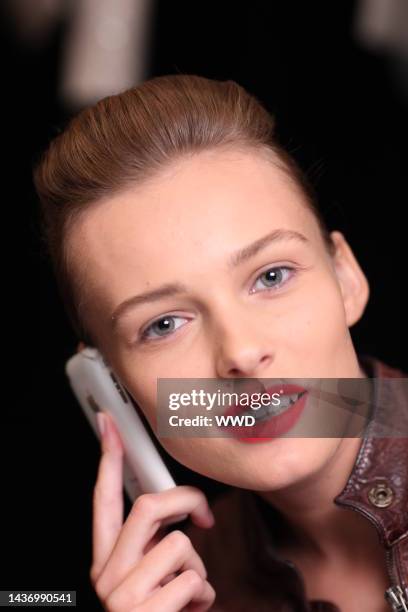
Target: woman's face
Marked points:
229	320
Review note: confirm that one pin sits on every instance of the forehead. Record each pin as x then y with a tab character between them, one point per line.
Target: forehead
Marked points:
196	212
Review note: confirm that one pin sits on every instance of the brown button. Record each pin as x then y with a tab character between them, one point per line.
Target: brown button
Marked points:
381	495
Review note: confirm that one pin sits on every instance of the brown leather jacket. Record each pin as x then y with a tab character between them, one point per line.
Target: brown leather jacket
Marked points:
239	551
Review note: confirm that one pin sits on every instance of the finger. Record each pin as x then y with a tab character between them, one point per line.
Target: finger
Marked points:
142	524
177	594
107	498
175	553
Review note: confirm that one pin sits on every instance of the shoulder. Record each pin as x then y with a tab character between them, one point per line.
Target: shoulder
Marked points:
390	385
376	368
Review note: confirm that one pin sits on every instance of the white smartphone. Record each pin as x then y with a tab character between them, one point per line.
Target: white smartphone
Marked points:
98	388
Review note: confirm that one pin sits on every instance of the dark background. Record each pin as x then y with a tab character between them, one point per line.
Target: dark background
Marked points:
338	110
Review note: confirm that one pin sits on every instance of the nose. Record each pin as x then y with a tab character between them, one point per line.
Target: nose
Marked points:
243	347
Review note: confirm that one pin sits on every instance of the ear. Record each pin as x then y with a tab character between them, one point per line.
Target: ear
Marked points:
352	281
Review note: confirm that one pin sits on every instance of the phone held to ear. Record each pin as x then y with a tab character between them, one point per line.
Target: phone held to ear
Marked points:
97	388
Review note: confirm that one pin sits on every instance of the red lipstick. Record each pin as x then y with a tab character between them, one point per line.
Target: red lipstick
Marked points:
269	426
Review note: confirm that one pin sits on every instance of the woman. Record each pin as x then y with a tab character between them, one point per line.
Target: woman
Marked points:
177	190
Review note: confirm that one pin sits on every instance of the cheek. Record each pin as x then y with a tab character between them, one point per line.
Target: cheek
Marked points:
193	453
319	320
211	457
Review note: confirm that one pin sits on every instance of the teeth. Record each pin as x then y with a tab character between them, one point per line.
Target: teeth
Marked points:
263	413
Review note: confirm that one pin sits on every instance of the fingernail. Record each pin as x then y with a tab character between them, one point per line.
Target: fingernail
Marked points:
100	417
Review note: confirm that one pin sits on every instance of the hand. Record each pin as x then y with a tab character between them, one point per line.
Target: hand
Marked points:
136	566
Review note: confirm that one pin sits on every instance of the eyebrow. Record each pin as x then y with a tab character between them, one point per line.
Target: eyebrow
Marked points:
236	259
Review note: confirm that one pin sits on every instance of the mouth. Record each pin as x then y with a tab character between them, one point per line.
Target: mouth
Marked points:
271	419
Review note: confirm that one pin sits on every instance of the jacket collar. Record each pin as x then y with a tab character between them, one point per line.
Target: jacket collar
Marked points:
378	484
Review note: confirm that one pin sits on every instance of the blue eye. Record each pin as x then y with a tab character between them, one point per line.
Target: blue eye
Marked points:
272	278
275	277
163	327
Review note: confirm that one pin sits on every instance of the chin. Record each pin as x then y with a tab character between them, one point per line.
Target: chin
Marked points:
281	462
